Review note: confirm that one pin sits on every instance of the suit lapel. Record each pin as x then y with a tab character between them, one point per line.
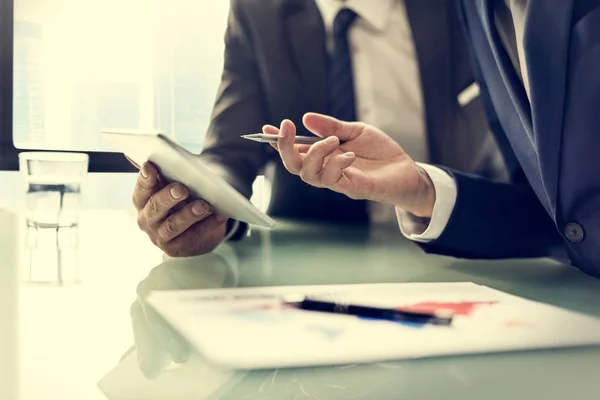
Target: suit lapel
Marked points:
509	76
506	97
547	56
435	71
307	39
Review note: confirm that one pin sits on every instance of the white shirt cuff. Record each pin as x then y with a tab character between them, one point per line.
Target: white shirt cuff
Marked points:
426	230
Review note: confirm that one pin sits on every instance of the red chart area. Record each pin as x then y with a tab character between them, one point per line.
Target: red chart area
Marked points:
463	308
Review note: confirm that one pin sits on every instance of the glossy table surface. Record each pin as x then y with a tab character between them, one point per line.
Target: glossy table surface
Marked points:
70	337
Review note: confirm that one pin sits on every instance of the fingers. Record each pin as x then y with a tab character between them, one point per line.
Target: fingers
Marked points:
325	126
270	130
200	238
289	154
315	160
146	185
166	337
179	229
302	148
333	171
178	222
151	357
160	204
316	164
156	342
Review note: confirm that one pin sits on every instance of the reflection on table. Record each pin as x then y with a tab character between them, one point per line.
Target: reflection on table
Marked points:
306	254
72	337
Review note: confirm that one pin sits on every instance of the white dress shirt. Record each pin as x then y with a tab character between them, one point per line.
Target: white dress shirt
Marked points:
445	186
387	81
518	10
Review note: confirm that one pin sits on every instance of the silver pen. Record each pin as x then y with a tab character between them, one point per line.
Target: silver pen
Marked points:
271	138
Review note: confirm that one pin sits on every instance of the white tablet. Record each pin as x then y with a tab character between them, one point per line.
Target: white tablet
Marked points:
176	164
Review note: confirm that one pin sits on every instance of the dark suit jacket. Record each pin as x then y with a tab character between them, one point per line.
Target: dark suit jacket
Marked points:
276	68
554	139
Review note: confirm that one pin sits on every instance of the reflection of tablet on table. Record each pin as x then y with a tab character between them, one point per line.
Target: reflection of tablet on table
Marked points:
195	380
177	164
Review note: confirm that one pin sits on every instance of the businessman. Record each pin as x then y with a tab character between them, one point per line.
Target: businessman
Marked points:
537	62
402	65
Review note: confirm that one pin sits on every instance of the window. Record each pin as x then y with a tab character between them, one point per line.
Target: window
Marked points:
79	66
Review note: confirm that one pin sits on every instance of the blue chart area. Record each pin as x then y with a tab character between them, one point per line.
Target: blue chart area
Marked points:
403	323
262	316
328	332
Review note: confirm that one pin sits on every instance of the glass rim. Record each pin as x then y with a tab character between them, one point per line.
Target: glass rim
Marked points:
53	156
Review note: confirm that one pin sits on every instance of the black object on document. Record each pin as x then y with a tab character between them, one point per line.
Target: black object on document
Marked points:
387	314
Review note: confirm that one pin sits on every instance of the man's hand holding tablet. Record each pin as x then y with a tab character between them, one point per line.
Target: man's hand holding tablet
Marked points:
183	204
178	226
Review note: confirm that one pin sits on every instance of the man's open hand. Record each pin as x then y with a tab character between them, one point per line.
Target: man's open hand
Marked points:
367	165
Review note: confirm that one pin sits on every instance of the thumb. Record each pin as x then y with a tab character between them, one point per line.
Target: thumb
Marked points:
325	126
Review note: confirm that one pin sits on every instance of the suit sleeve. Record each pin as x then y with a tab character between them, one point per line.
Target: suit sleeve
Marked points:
239	108
495	220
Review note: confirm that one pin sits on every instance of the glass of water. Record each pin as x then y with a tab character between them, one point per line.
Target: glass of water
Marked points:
53	185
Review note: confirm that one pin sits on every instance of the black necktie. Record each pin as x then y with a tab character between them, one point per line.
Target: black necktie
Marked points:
341	102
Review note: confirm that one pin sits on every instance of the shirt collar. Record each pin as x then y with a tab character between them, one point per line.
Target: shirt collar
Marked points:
374	12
